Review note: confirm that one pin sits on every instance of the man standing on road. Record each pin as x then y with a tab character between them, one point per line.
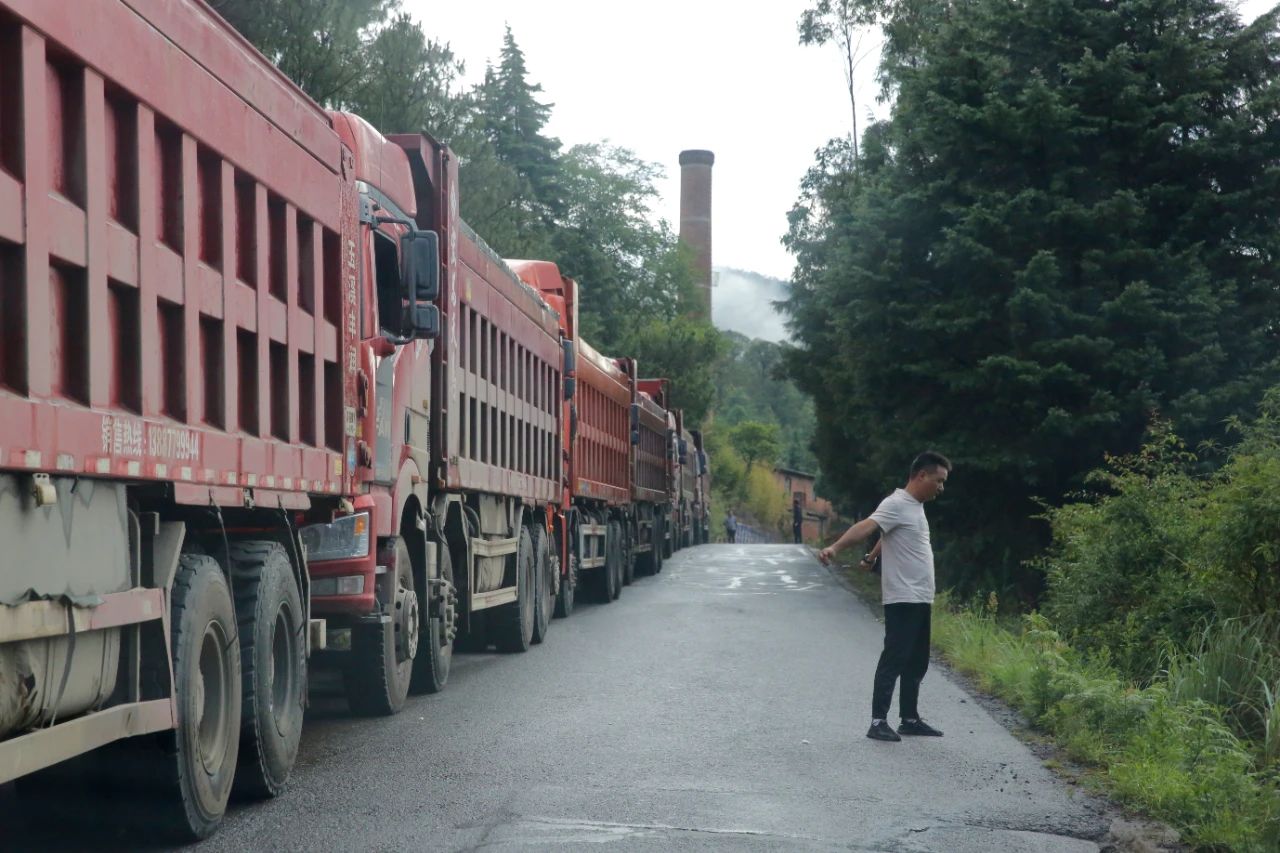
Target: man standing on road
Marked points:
906	586
730	527
797	521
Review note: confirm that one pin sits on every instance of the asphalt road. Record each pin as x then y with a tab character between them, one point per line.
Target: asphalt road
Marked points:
721	705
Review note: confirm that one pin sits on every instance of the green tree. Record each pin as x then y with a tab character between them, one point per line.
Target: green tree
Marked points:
409	83
685	350
751	385
844	23
756	442
629	268
322	45
1067	223
513	120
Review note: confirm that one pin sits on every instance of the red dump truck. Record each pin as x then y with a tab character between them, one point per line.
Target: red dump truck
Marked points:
261	392
597	510
179	376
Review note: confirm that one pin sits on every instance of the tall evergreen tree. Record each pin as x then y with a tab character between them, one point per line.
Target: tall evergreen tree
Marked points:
1069	223
320	44
409	82
514	120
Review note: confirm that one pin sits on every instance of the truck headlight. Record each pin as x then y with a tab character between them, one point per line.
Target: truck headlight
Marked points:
343	539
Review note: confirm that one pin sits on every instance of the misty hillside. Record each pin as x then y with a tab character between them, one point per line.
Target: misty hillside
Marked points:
742	302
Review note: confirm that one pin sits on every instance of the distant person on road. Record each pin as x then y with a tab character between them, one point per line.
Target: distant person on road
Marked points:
797	521
730	527
907	586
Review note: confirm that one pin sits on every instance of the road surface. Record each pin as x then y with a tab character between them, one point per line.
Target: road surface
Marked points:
721	705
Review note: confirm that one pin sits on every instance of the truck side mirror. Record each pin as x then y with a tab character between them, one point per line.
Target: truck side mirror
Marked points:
425	319
570	367
635	423
420	265
684	452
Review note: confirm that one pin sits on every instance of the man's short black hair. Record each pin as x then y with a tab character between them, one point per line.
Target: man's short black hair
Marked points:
930	459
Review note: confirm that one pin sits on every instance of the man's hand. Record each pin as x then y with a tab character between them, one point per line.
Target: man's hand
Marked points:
867	563
826	555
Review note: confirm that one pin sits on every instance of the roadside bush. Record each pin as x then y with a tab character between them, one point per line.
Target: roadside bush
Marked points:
1125	572
1242	519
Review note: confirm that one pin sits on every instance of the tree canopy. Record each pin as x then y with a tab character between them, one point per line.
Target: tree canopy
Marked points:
1067	225
587	208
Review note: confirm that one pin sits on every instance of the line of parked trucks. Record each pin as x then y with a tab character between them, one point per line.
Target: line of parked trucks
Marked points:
268	404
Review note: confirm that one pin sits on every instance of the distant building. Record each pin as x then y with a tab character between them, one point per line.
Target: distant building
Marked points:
818	512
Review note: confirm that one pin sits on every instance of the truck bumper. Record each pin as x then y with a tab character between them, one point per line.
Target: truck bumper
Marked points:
329	574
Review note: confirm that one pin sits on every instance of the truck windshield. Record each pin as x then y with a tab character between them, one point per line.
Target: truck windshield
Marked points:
390	292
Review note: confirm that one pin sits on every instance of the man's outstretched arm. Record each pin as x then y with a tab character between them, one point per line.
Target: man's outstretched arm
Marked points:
855	534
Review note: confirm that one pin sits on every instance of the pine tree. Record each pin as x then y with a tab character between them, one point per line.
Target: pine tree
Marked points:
512	119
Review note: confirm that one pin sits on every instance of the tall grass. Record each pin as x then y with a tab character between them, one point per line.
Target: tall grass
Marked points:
1163	748
1234	664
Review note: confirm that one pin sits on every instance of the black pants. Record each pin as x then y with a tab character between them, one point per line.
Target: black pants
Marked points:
795	531
905	656
731	535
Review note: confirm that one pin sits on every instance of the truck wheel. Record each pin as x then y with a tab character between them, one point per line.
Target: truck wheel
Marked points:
273	667
435	651
513	623
199	757
645	559
545	586
628	555
568	589
659	545
615	549
608	577
378	671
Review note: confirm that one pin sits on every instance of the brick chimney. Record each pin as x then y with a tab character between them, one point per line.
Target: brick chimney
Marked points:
695	217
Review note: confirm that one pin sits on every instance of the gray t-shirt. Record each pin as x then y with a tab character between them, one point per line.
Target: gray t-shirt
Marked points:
906	555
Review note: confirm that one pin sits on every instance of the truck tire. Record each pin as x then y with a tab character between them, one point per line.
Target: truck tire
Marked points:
198	759
615	550
273	667
659	546
435	649
545	586
605	578
378	671
628	555
645	559
512	626
568	590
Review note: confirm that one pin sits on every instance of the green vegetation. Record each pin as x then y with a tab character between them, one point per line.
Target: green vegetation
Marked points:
1067	224
752	386
1154	658
1156	747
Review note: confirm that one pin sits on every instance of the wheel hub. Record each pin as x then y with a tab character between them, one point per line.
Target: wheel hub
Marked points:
406	624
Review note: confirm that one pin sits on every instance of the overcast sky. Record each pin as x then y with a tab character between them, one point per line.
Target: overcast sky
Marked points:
664	75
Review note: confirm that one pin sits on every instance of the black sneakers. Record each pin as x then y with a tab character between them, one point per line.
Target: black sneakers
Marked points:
916	727
881	730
